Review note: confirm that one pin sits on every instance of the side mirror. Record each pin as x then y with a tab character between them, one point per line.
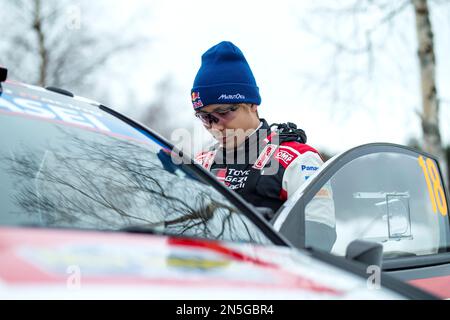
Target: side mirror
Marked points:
368	253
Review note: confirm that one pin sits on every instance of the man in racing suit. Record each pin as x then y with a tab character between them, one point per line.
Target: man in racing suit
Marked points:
264	166
250	178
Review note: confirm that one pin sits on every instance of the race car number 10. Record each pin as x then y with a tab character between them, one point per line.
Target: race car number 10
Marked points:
434	185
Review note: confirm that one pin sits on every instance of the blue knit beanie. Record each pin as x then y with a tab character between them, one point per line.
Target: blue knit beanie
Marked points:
224	78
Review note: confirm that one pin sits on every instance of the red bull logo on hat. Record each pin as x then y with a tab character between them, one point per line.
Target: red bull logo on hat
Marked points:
196	101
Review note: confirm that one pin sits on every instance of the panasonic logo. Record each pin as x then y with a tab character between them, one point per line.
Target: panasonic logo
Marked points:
232	96
309	168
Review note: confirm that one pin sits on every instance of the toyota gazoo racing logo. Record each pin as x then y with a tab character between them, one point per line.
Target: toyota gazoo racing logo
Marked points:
236	96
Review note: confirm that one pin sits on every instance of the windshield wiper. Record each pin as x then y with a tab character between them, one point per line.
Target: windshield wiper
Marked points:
144	230
33	225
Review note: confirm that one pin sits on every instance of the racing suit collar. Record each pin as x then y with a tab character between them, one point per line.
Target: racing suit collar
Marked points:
260	133
249	149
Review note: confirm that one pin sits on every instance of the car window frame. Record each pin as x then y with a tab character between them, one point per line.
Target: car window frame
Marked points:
311	189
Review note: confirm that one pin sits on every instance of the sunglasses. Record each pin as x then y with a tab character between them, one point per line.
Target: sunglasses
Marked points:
223	114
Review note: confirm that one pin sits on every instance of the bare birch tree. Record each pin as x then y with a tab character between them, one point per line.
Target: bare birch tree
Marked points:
51	43
429	116
370	47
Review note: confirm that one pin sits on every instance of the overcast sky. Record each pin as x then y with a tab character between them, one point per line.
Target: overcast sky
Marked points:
281	54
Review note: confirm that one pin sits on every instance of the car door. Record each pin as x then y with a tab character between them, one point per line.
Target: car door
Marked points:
384	193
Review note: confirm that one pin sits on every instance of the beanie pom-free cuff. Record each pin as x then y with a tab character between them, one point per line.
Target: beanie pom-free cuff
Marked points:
231	93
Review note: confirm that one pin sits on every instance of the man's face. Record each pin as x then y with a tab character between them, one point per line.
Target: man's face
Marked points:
233	123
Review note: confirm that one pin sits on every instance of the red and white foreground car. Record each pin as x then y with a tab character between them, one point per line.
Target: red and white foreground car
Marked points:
58	264
95	206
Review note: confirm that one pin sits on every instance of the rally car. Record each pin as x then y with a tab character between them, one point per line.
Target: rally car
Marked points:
95	205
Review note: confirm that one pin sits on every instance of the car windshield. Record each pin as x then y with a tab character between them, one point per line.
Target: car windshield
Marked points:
66	164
